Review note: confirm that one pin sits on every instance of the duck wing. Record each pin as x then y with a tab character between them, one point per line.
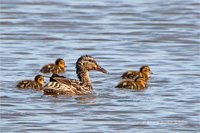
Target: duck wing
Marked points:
62	80
78	87
65	86
59	85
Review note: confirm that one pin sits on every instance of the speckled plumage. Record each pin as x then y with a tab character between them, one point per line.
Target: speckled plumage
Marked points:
58	67
138	83
65	86
144	73
29	84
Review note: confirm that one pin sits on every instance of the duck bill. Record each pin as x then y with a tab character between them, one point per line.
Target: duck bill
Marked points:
99	68
151	72
65	66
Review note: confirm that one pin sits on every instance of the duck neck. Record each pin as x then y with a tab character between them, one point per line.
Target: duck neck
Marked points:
144	75
147	75
83	76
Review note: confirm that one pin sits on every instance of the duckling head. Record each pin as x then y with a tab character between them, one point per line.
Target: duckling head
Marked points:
146	70
87	63
60	62
141	81
39	79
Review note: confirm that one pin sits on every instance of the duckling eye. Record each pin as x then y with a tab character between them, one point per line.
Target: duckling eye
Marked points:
90	60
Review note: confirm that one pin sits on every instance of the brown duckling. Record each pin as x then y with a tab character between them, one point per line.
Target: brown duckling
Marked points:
144	73
65	86
29	84
139	83
58	67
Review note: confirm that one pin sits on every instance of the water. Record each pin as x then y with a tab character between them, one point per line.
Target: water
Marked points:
121	36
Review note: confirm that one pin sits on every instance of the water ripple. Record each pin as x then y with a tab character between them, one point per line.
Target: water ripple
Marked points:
121	36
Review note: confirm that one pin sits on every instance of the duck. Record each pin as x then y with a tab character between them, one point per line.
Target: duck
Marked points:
60	85
138	83
144	72
30	84
58	67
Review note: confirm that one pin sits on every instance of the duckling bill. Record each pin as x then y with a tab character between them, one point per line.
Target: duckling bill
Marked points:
58	67
29	84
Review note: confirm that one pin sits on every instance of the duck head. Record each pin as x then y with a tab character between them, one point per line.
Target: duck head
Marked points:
39	79
60	62
146	70
87	63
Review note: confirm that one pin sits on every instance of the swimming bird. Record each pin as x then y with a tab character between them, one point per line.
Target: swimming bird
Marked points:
138	83
66	86
58	67
29	84
144	73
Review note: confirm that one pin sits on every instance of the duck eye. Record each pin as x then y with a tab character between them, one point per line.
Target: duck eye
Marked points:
90	60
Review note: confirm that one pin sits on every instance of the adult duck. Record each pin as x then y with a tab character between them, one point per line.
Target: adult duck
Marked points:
144	73
65	86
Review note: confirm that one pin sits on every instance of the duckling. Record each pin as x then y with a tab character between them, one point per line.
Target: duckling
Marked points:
144	72
58	67
65	86
29	84
139	83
